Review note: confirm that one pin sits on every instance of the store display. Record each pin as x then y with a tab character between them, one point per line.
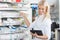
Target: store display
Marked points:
3	5
11	18
13	33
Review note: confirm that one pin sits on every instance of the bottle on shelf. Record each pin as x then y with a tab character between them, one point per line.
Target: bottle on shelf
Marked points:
18	0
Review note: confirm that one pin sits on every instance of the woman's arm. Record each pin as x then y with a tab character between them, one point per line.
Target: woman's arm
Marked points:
25	19
46	31
42	37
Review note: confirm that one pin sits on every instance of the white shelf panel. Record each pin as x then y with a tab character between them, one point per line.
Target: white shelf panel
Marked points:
9	14
11	23
8	9
11	17
17	9
15	2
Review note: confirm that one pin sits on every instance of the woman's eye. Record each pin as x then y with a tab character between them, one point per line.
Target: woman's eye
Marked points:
39	8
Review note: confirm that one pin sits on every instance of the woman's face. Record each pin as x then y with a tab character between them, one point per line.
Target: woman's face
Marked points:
41	10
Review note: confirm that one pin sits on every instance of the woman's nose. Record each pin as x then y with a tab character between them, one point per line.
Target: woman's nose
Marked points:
41	10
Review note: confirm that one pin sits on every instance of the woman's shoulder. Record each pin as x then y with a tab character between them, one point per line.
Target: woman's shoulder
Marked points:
48	20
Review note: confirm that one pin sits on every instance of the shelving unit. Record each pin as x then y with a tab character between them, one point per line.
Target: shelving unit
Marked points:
14	9
7	2
9	14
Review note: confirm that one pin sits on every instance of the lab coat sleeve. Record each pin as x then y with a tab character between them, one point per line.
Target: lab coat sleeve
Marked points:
32	25
47	28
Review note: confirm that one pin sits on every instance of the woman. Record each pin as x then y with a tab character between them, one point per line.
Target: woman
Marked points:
42	22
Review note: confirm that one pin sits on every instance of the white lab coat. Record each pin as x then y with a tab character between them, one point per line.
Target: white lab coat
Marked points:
43	25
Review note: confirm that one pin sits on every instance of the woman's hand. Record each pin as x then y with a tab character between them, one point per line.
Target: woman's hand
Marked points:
34	35
22	14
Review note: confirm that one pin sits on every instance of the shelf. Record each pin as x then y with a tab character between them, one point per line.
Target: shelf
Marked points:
8	2
10	33
14	3
8	25
8	9
11	17
13	9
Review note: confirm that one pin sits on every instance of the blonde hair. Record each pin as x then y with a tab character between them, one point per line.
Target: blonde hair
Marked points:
47	14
